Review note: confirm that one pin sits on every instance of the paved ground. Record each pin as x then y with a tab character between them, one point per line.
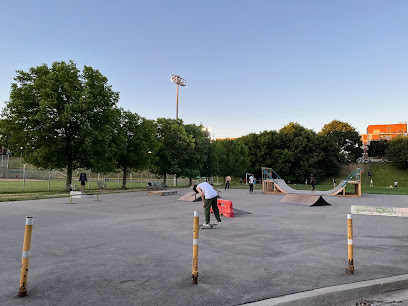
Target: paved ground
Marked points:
135	249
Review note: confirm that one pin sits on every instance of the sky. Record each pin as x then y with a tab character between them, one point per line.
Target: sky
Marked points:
249	66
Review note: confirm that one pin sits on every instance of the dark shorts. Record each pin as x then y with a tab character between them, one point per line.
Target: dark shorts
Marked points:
82	183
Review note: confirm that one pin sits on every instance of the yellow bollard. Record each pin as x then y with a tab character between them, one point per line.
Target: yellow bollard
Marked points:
195	248
350	268
26	256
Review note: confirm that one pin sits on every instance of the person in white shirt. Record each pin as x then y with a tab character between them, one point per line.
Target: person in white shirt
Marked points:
209	196
251	183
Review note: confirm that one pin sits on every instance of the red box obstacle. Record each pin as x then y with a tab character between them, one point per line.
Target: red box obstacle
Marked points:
225	208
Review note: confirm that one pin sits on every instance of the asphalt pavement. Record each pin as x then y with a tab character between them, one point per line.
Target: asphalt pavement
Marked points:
136	249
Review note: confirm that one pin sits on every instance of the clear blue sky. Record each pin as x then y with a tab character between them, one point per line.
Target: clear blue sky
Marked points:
250	65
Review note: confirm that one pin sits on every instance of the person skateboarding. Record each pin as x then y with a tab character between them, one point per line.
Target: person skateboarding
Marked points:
209	196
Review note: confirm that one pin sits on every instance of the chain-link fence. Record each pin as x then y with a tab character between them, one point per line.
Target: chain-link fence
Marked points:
17	177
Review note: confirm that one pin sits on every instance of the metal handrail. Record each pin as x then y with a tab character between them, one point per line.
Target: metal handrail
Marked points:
351	175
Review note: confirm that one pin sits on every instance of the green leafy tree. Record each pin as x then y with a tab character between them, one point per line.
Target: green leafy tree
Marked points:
136	142
233	157
397	152
176	147
62	117
377	148
347	139
196	157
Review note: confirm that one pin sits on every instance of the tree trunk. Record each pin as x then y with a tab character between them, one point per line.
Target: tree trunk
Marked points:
69	176
125	171
164	179
191	181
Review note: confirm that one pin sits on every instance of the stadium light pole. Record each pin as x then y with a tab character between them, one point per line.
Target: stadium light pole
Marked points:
176	79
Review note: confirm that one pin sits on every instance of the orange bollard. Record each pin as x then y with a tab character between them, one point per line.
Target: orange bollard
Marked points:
195	248
26	256
350	268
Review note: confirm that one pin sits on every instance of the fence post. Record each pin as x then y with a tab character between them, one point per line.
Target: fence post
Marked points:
350	267
89	180
49	180
195	248
131	180
26	256
24	169
118	178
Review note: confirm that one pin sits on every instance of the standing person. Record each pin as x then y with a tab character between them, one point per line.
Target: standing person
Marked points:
306	182
240	180
334	182
251	183
371	183
312	181
396	184
209	196
83	179
227	184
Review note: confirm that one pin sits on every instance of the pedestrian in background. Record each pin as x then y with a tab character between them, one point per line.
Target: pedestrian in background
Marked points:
312	181
83	179
228	181
251	183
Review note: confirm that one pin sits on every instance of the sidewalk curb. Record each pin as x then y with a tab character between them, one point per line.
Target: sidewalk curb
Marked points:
340	293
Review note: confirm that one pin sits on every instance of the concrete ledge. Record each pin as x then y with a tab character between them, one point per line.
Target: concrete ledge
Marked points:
340	293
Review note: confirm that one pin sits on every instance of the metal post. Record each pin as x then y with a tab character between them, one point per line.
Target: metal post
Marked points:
24	176
131	176
26	256
350	268
141	179
195	248
49	180
89	180
177	101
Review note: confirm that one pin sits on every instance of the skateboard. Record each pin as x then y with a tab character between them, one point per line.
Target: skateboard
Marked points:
201	226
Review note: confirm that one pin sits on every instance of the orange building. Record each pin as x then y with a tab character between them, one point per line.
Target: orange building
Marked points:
382	131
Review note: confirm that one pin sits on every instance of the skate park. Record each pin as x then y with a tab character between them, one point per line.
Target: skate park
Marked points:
136	249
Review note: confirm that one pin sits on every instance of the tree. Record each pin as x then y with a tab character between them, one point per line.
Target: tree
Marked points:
176	147
397	151
62	117
196	157
347	139
377	148
136	137
233	157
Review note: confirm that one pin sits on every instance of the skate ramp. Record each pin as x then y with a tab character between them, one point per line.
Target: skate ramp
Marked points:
190	197
311	200
284	188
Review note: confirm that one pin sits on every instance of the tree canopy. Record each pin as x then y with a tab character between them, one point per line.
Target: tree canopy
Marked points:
397	152
136	141
62	117
347	139
377	148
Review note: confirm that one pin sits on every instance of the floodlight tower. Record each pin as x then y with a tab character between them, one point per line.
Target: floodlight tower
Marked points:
176	79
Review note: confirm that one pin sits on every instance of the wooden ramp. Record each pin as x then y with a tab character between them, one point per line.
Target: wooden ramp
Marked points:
190	197
162	192
312	200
